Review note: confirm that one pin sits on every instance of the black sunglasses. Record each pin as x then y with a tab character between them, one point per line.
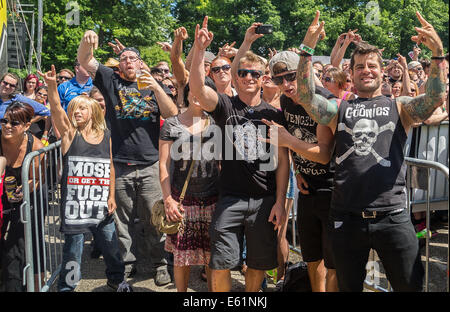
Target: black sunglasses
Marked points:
8	84
13	123
288	77
64	78
256	74
217	69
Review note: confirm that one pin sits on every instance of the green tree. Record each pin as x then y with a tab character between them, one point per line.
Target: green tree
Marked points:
391	30
138	23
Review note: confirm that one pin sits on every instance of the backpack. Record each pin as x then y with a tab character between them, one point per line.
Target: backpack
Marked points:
296	278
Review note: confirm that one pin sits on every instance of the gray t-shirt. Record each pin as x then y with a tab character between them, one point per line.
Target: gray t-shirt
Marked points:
204	179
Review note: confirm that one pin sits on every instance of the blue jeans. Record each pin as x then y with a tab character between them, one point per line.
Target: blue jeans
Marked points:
106	240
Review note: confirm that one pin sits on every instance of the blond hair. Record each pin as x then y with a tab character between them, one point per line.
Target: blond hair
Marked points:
97	118
252	58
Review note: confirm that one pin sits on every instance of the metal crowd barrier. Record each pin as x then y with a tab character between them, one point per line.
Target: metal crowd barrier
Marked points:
419	177
42	226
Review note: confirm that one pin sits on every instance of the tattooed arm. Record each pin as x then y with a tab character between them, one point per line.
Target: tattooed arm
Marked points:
420	108
85	54
321	110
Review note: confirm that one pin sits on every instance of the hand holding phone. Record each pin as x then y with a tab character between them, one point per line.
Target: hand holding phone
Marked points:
264	29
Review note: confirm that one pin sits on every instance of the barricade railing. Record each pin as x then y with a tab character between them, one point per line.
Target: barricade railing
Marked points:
40	216
419	177
430	142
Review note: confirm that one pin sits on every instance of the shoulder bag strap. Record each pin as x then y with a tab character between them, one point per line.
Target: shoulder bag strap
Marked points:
183	192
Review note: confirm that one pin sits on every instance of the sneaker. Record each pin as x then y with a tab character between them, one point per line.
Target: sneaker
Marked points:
131	273
122	287
162	277
279	285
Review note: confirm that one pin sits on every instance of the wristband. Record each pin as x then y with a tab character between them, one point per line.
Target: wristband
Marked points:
438	57
297	172
306	49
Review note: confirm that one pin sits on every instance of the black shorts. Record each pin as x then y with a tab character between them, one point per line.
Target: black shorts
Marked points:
235	217
312	221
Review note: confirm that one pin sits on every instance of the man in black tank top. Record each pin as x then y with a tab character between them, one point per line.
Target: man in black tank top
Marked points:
368	209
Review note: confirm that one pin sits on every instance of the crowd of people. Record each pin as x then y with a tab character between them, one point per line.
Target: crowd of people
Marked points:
224	139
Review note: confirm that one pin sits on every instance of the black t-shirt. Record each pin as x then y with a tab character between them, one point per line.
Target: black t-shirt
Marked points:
132	115
370	167
297	121
247	168
205	174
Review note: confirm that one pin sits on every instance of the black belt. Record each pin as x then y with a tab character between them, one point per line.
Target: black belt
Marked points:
374	214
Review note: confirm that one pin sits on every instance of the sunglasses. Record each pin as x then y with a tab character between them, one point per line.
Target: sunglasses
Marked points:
288	77
13	123
217	69
170	87
7	84
256	74
64	78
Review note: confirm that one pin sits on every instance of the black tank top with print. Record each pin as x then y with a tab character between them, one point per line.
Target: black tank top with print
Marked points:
370	167
85	184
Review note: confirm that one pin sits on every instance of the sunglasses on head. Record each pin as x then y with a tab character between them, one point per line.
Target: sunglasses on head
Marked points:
256	74
13	123
217	69
7	84
288	77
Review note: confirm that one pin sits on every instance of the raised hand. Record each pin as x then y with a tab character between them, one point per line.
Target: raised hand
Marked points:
272	53
402	61
180	34
315	32
251	35
428	36
90	38
203	37
165	46
118	47
50	76
228	50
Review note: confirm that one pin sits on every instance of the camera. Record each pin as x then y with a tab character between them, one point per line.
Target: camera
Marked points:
264	29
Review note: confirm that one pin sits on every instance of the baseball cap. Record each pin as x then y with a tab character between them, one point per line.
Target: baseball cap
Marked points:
413	64
130	49
209	57
289	58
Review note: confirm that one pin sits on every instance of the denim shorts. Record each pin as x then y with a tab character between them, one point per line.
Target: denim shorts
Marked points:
234	217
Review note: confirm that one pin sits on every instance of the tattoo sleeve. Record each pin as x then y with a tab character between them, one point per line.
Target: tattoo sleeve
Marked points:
319	108
421	107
